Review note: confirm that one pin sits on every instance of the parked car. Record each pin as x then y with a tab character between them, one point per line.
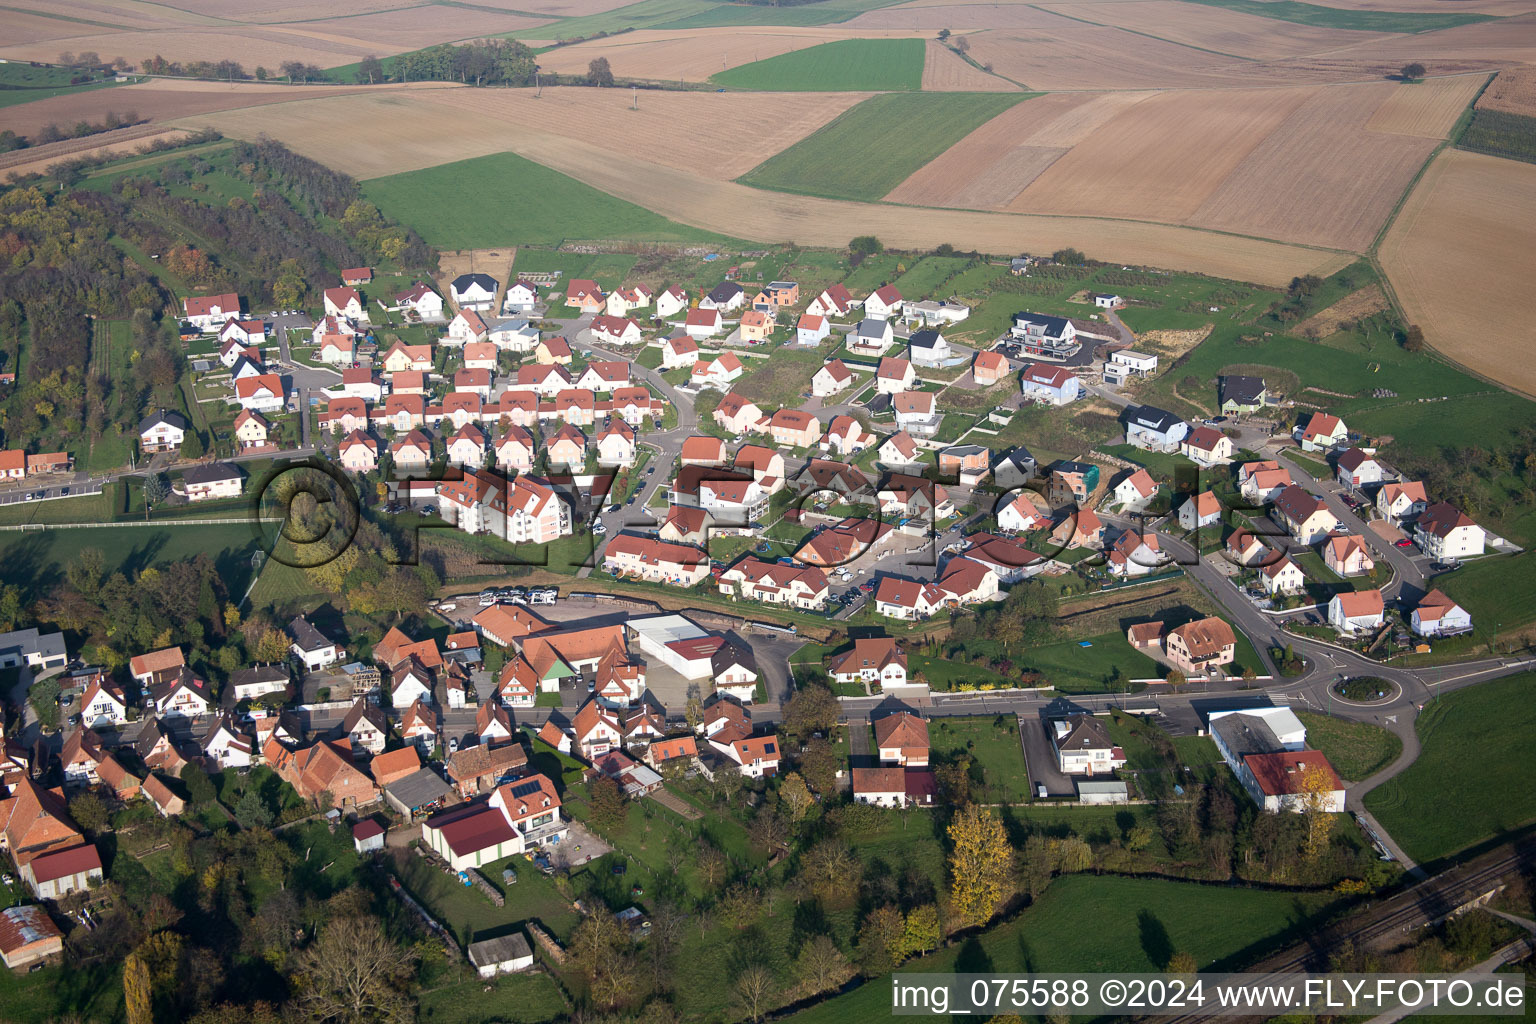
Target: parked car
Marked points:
1404	543
487	598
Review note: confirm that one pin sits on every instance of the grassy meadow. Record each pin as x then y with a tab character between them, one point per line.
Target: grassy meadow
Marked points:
1451	798
848	65
862	154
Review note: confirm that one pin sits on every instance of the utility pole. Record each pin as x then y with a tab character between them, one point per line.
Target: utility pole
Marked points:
635	104
538	86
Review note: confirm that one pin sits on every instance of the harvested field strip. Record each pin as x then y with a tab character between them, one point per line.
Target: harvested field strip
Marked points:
1428	109
39	157
993	164
1318	178
944	70
1216	31
859	65
25	27
1512	92
1138	162
133	13
1497	8
1460	257
824	163
822	12
1335	17
1353	306
163	99
402	132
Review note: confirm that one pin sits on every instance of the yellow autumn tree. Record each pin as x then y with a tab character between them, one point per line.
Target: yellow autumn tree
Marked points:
136	990
981	866
1316	786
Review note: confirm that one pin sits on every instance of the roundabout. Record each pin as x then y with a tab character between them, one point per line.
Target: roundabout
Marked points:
1365	691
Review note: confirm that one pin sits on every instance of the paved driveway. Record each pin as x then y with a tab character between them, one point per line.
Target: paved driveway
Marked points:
1041	759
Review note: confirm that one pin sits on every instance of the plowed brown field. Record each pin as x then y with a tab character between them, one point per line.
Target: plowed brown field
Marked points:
1461	256
946	71
1513	91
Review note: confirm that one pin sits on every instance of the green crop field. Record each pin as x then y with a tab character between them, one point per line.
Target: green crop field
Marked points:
1139	924
1357	750
848	65
481	203
1335	17
862	154
1451	798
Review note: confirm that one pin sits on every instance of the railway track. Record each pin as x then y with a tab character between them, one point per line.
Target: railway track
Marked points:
1423	904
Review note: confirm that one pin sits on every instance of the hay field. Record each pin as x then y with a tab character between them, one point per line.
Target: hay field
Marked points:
402	130
413	27
164	99
1461	256
1487	44
945	71
1213	28
1142	162
286	10
1428	109
1319	178
1512	91
692	55
1353	306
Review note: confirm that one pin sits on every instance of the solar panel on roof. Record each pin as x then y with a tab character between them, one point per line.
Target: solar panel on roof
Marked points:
524	789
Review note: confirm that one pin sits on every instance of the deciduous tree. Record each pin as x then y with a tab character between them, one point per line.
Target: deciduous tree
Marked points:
354	974
981	865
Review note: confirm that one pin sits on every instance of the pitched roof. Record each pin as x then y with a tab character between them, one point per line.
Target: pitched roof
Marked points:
1443	517
1282	773
1359	603
902	729
1205	637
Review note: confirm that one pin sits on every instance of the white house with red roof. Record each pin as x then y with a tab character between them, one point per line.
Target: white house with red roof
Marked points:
520	816
465	327
521	297
209	312
421	300
703	323
893	375
1356	611
672	301
1401	499
1320	432
1444	531
1049	384
796	586
883	303
740	415
262	393
1021	515
1207	446
615	330
811	330
833	302
718	372
344	301
833	377
846	436
584	294
681	350
1438	615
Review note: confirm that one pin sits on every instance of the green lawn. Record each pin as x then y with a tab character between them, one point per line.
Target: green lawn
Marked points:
512	998
1337	17
863	153
1499	592
1074	669
36	561
467	912
1138	924
1357	750
476	204
1469	782
997	759
848	65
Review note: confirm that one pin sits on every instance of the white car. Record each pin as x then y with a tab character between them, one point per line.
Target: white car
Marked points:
487	598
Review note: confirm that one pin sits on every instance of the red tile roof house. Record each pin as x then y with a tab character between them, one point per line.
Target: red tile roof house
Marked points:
521	815
1277	781
871	660
902	739
584	295
56	875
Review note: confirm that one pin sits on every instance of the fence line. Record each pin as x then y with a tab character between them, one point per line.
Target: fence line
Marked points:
19	527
